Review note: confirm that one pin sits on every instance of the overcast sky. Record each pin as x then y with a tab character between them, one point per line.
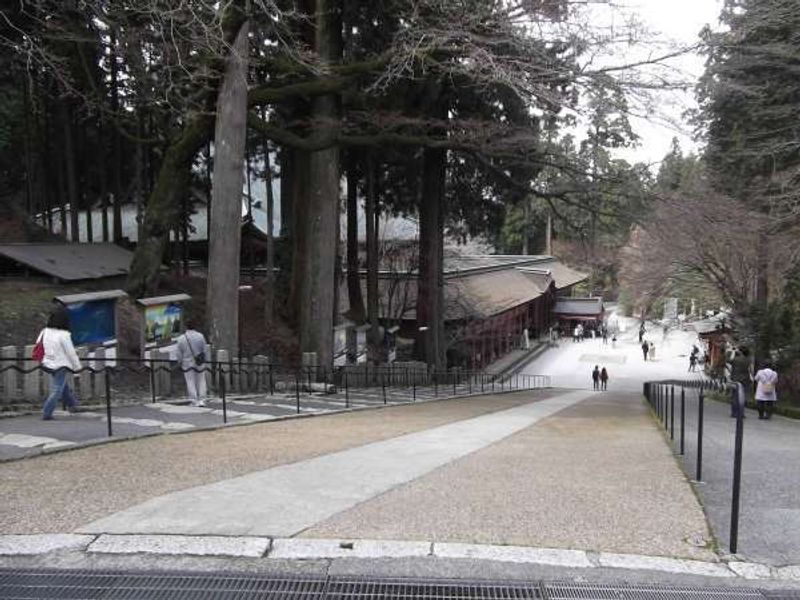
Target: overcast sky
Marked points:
679	21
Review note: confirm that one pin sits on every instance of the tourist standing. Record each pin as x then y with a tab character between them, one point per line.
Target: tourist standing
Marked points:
60	361
652	351
191	356
645	349
603	379
596	378
766	395
740	372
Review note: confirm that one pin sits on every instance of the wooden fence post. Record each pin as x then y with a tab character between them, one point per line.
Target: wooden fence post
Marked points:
10	377
84	381
99	388
32	382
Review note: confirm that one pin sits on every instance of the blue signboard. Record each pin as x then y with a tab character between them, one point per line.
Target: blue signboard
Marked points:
91	322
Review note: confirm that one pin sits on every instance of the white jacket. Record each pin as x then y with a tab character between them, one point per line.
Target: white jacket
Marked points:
58	350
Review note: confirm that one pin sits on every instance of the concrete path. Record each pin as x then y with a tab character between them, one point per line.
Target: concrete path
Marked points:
285	500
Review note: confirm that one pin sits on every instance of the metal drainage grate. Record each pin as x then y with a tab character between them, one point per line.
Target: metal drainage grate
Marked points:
581	591
106	585
343	588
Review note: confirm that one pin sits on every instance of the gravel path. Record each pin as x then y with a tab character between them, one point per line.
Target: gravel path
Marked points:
61	492
595	476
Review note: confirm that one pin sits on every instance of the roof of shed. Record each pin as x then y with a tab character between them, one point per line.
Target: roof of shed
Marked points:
71	262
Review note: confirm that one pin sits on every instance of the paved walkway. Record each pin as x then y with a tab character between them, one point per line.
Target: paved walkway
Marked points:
571	363
769	525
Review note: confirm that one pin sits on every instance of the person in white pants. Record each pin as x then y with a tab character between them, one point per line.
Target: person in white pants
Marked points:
191	356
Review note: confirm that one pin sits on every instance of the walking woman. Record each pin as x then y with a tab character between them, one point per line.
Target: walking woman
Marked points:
766	379
60	361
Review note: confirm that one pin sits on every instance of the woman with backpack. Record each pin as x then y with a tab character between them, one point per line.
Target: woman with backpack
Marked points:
60	360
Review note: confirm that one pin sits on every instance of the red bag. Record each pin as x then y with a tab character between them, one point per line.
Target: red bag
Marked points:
38	349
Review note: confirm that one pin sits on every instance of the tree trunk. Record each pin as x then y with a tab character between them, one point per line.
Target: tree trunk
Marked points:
222	297
69	168
430	282
316	309
548	236
163	206
300	213
117	146
355	297
269	300
374	336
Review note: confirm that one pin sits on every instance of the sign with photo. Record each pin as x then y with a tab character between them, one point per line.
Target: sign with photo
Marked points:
162	322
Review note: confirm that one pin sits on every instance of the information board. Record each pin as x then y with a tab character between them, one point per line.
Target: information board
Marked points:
92	321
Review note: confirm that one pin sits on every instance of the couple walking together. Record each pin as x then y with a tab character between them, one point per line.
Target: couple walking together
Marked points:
600	378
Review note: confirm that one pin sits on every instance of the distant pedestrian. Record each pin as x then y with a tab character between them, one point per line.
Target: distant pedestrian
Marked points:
614	342
60	361
596	378
603	379
652	351
581	332
645	349
766	395
692	362
642	331
575	334
191	356
605	336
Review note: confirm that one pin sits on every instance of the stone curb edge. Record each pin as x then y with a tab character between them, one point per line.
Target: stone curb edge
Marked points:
307	549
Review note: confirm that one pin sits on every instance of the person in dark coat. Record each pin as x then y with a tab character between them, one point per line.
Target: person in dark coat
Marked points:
741	371
645	349
596	377
604	379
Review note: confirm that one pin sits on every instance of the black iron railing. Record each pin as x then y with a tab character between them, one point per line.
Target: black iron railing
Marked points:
389	384
661	397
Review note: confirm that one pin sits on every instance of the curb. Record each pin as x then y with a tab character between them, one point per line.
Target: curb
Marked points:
269	548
